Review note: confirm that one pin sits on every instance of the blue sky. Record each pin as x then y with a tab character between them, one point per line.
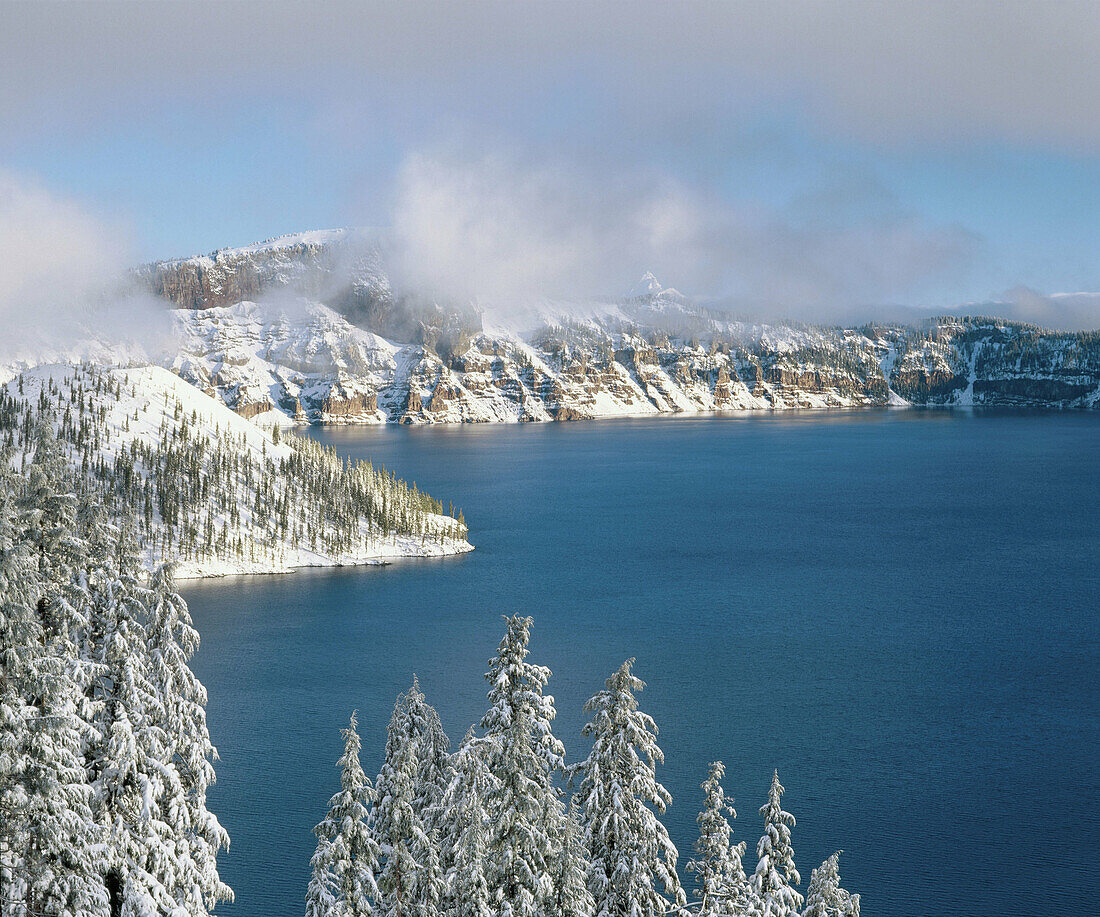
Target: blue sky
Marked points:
801	158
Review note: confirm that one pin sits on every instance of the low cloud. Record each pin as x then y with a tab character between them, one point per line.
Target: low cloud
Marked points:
63	287
510	230
1062	311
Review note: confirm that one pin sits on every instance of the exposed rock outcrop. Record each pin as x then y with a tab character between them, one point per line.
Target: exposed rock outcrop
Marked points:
365	356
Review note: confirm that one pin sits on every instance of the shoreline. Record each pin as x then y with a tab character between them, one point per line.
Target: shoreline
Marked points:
217	570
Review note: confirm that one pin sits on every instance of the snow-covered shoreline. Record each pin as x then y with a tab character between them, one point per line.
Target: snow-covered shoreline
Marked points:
211	491
409	551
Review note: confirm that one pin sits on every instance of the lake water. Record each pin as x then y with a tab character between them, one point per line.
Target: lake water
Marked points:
896	609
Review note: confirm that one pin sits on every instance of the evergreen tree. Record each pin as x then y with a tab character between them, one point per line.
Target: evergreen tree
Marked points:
57	874
126	759
571	897
524	807
424	729
188	769
721	883
464	831
825	897
411	881
345	864
21	642
773	883
49	520
632	870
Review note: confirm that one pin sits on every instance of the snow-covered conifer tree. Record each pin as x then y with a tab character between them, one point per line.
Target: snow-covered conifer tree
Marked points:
57	873
569	871
773	883
50	510
825	897
411	881
721	883
632	871
21	643
524	807
464	831
192	876
434	770
345	864
127	757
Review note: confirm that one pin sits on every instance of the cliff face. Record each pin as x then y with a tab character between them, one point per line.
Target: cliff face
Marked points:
307	264
365	356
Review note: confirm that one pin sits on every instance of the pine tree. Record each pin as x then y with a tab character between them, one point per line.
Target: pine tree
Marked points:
524	807
57	874
126	759
21	642
632	870
721	883
571	897
775	876
825	897
49	518
192	875
423	727
346	862
464	831
411	882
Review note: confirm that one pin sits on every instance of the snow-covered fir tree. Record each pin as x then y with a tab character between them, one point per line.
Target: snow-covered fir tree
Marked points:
464	831
346	863
127	758
632	870
773	883
721	884
504	844
825	897
569	872
411	882
59	837
423	728
21	642
189	754
104	764
525	808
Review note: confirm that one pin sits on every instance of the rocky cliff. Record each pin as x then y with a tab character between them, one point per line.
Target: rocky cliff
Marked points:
308	326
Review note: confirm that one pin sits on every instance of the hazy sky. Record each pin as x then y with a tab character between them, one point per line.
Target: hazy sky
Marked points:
796	158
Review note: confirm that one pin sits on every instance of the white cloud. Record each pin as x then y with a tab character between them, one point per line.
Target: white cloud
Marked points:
62	283
507	229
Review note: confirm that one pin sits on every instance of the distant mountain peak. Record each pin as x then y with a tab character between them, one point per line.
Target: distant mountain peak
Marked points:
647	286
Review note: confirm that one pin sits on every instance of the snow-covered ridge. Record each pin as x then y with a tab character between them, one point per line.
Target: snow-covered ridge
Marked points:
316	237
214	492
306	328
315	366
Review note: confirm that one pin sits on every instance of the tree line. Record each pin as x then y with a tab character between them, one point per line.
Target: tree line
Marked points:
503	827
105	756
196	496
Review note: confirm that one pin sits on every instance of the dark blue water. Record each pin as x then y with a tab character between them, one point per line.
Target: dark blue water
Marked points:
897	610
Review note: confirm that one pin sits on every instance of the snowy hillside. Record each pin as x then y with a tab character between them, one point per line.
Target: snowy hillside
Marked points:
308	328
213	491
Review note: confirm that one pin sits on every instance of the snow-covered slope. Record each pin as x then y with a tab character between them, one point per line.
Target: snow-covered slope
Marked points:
307	328
211	490
314	365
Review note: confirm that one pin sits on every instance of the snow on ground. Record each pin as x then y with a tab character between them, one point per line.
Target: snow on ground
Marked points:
152	399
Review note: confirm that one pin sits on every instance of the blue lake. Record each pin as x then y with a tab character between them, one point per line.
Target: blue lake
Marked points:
896	609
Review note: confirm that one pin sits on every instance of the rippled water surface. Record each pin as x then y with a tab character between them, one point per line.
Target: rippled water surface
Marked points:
897	609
